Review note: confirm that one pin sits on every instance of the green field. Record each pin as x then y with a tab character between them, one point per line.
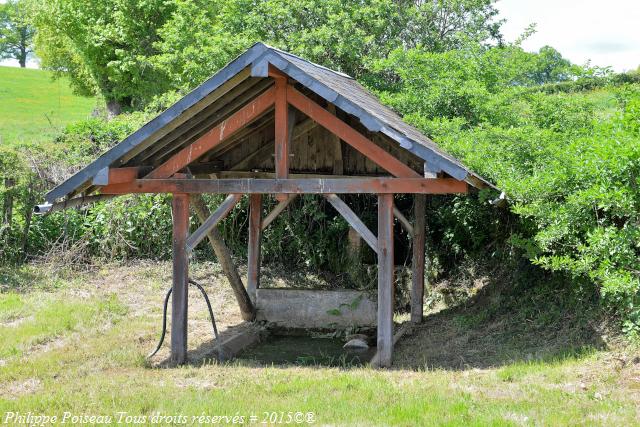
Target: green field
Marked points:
76	342
34	107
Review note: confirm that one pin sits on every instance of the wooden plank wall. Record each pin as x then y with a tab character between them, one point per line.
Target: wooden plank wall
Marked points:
314	152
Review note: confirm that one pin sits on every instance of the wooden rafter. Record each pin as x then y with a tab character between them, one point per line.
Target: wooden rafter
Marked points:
349	135
202	121
215	136
291	186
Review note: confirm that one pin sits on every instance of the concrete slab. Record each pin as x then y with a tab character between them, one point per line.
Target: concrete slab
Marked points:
316	309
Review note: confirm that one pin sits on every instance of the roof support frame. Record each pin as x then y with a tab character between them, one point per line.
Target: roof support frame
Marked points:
215	136
291	186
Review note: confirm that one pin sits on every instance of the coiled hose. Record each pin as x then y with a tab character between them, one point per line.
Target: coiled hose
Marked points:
164	315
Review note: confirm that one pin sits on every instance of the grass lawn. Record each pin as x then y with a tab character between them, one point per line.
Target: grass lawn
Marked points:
33	107
77	343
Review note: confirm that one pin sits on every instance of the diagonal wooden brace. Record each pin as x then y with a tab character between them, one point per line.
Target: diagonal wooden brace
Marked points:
213	220
277	211
353	220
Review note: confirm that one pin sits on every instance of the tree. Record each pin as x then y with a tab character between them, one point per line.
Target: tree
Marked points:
103	46
346	35
16	35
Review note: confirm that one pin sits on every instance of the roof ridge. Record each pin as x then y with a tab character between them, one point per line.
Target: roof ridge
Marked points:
340	73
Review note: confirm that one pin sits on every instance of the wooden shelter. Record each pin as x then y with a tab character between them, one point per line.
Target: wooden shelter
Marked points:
273	123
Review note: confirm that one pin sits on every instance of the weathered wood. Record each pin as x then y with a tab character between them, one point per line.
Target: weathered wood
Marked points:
267	149
225	174
202	121
215	136
349	135
212	221
385	279
353	220
417	261
405	328
223	254
277	210
281	129
403	221
355	245
188	113
117	175
253	258
291	186
180	295
336	144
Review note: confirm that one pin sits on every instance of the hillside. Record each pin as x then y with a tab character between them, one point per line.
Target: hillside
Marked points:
33	107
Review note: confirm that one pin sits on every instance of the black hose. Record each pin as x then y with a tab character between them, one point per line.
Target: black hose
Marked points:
164	315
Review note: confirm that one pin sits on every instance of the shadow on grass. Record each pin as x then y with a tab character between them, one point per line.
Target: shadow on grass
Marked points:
515	317
543	318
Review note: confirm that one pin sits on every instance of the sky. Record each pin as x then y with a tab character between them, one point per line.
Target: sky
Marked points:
605	32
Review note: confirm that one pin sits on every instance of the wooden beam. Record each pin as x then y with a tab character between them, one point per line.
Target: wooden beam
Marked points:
226	174
336	143
203	120
189	113
353	220
117	175
417	261
213	220
385	280
277	210
253	261
215	136
281	129
180	295
291	186
349	135
405	328
403	221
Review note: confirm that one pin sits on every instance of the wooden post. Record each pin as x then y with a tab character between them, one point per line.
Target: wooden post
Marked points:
385	279
281	128
417	262
180	295
253	268
334	141
355	245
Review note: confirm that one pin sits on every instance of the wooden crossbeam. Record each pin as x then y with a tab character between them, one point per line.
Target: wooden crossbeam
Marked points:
215	136
349	135
213	220
277	210
354	221
291	186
